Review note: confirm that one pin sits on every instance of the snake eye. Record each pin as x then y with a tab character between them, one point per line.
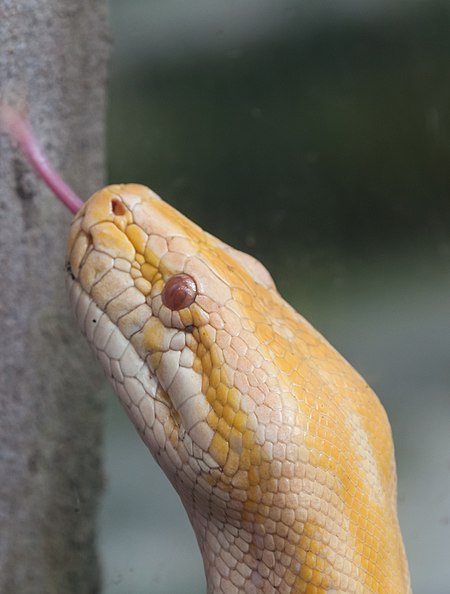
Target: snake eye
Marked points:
180	291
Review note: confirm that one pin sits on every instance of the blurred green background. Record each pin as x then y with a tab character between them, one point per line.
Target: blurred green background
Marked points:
315	135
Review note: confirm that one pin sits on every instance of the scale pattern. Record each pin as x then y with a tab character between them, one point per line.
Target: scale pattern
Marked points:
281	453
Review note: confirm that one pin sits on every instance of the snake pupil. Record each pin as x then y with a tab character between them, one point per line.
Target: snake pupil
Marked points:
180	291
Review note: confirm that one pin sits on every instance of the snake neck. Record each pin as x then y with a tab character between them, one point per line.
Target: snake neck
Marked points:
268	557
236	557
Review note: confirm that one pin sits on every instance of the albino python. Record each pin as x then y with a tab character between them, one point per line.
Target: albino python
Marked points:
280	452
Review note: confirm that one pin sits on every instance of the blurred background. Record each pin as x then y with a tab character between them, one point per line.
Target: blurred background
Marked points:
315	135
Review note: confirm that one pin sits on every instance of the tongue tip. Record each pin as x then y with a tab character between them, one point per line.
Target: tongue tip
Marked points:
14	122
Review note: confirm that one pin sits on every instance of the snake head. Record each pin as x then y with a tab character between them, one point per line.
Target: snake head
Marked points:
278	449
163	305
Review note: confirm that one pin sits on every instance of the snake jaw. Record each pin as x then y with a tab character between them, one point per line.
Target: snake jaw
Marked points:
138	388
117	299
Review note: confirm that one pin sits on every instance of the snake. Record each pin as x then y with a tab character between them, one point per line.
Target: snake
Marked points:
280	452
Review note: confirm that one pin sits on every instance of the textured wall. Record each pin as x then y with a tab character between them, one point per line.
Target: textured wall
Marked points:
54	53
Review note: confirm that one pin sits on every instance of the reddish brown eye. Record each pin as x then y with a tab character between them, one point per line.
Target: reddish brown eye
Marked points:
180	291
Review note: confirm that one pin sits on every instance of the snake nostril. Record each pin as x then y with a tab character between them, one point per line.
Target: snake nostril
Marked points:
118	208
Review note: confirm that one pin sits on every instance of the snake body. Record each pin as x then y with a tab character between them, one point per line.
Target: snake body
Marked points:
280	452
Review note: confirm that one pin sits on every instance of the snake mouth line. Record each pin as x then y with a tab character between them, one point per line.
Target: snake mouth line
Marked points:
69	270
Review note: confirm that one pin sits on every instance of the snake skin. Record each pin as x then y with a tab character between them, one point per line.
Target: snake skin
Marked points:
280	452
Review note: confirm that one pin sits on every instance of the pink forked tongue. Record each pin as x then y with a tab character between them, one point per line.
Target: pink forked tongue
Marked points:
17	126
